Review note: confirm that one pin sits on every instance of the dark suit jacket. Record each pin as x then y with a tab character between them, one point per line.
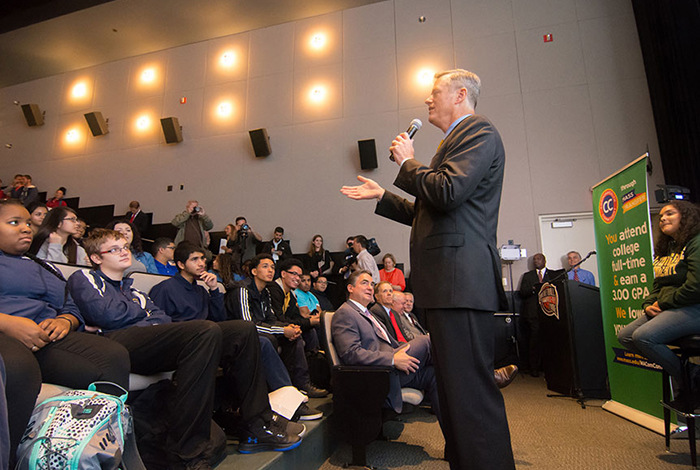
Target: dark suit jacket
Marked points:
527	290
357	343
380	314
454	259
284	247
140	222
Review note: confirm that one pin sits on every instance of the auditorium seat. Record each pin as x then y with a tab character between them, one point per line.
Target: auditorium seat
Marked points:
359	394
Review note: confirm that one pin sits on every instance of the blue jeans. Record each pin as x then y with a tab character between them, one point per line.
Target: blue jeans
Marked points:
649	336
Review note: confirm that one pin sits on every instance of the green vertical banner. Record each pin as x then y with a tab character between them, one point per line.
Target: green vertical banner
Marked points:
624	249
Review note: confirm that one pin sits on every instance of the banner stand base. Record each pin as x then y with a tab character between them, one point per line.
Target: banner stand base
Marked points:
645	420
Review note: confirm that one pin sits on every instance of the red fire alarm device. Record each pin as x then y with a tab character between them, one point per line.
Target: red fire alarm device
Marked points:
183	100
548	38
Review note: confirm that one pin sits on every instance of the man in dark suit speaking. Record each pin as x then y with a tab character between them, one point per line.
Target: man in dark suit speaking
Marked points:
455	268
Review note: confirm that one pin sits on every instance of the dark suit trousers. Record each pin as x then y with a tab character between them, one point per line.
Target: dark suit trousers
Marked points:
474	416
424	378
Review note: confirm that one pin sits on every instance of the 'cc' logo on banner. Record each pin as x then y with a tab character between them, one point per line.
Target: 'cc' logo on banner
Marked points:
607	207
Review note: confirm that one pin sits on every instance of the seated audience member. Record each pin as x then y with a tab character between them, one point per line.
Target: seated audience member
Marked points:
40	328
57	199
318	260
252	302
222	266
191	225
193	349
284	302
307	302
672	308
319	291
244	241
80	231
578	273
17	187
365	261
37	212
163	252
391	273
55	240
29	193
411	320
141	261
382	311
136	216
362	340
2	191
183	299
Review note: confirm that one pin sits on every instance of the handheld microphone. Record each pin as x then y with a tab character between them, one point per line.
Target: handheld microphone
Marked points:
411	131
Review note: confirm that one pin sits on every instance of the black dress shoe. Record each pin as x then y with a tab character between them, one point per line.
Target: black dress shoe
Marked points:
505	375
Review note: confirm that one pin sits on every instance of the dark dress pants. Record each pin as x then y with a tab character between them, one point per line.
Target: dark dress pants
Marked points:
473	413
75	361
243	371
424	378
193	350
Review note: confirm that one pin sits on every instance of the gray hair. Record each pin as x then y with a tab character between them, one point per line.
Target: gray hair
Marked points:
460	78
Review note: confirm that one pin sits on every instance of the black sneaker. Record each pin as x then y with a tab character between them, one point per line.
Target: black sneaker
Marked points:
312	391
306	413
267	436
291	427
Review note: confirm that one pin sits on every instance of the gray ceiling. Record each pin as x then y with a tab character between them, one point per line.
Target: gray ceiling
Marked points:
40	38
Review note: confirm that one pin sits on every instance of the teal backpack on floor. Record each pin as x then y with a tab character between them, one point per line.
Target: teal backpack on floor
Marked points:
80	430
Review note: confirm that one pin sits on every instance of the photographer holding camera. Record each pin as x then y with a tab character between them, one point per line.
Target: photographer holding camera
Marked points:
244	242
191	225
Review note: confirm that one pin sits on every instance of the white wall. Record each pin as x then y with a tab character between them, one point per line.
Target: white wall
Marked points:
570	112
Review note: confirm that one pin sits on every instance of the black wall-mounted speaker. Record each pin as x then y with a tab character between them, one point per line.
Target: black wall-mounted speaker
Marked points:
171	130
33	115
261	142
97	124
368	154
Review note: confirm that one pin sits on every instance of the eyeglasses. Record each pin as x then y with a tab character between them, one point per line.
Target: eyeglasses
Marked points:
170	247
116	250
322	282
293	273
72	219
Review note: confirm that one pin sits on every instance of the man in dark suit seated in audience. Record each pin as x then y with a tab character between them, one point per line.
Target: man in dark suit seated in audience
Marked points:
382	311
193	349
409	321
252	302
360	339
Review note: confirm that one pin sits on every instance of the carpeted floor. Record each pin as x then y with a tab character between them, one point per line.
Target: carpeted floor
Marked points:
547	434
